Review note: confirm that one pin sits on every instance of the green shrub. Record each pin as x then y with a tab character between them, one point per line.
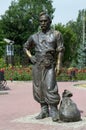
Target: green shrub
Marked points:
18	73
2	63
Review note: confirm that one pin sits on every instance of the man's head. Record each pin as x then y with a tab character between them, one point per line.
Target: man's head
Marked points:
45	21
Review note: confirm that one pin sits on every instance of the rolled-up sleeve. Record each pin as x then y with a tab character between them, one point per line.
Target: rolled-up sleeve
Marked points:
28	44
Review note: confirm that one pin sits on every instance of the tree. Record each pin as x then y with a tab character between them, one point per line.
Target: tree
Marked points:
69	42
77	28
21	20
2	43
82	49
75	53
82	56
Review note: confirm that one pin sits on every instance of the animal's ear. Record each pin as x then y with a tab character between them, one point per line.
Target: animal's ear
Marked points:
67	93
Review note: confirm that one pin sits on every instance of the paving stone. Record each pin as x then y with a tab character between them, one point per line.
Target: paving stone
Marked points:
18	108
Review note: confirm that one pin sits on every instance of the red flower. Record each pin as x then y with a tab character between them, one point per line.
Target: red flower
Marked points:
11	79
2	70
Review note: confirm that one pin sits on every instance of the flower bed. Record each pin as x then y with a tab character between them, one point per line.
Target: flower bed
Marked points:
72	74
21	73
18	73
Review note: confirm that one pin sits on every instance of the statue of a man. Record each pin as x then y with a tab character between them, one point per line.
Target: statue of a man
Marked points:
48	45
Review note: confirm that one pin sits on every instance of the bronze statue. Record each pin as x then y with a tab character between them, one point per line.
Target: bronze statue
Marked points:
47	61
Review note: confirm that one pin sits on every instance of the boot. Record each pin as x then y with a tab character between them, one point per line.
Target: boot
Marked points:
54	112
44	112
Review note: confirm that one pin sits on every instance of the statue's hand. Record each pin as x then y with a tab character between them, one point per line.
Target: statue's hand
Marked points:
58	69
33	59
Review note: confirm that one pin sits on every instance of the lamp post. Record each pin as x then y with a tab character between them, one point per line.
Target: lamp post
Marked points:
9	51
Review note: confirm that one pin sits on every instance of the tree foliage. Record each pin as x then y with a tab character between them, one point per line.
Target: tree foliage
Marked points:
69	42
2	43
81	57
21	19
77	28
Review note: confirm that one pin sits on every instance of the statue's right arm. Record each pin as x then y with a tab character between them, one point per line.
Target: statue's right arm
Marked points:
27	47
28	53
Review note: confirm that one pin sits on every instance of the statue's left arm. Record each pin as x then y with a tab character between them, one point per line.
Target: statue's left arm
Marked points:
60	52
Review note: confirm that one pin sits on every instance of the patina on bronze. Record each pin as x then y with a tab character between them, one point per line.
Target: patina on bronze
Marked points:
47	61
68	110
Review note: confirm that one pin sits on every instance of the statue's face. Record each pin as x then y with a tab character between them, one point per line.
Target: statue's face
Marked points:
44	22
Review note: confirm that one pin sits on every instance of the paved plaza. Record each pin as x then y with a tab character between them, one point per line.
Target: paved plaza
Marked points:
18	108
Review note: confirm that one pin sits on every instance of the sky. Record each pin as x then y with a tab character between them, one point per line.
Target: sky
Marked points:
65	10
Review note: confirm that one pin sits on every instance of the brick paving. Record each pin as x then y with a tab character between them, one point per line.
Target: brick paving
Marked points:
18	108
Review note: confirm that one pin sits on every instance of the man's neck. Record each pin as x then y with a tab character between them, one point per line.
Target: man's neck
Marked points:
45	31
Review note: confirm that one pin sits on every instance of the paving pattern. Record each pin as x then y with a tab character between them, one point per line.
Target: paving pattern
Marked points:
18	108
